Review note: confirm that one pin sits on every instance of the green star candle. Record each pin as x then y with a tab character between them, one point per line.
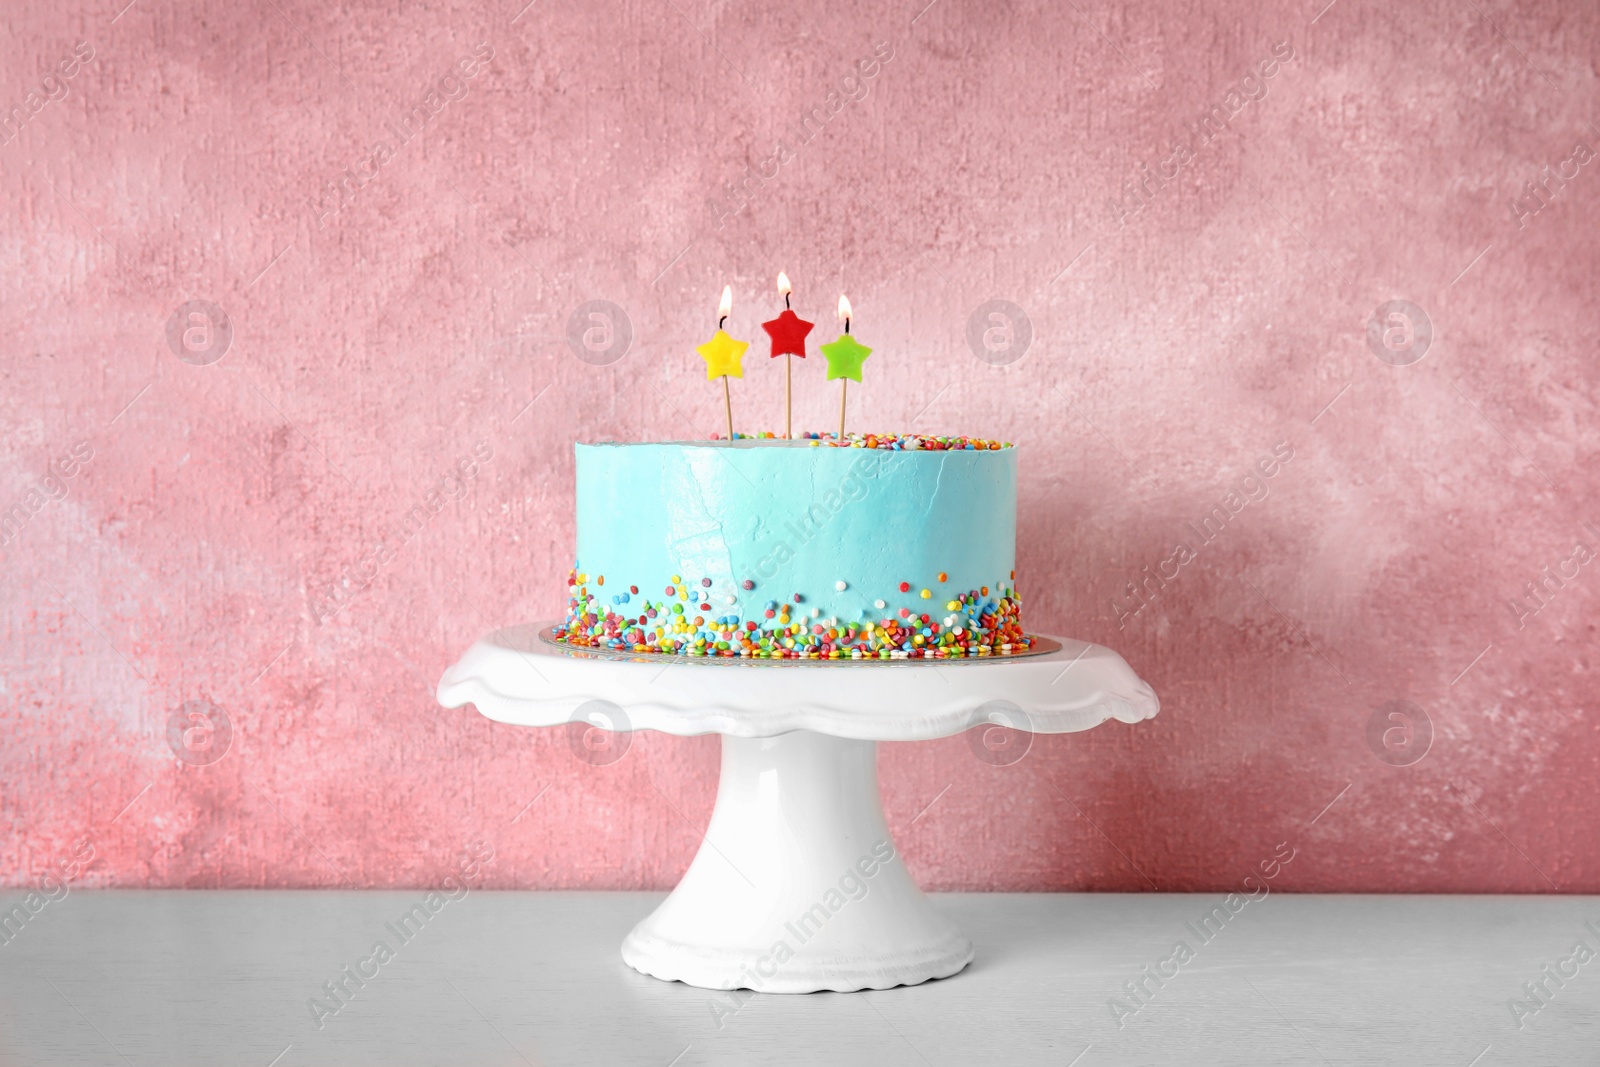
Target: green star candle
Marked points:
844	357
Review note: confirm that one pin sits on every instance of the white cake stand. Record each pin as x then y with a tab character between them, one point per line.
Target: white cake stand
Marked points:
797	886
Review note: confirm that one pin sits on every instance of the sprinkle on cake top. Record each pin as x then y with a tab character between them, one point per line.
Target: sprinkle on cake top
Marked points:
895	442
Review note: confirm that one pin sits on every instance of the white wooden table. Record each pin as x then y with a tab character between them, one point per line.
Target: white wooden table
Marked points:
217	978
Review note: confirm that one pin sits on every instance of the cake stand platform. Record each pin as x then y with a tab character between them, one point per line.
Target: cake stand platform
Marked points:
797	885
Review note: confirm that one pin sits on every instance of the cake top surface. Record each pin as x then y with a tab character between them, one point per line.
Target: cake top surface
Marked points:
905	442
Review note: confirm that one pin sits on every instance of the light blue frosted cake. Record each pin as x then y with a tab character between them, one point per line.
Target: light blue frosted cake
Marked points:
887	546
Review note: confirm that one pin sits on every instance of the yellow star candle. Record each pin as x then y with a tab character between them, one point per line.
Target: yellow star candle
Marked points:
724	355
845	357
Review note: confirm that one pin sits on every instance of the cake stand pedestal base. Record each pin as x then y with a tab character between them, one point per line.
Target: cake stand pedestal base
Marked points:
797	886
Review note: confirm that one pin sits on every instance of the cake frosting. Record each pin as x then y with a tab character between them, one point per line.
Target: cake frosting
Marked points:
881	546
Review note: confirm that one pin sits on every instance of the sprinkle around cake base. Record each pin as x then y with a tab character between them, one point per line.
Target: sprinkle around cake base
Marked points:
1037	646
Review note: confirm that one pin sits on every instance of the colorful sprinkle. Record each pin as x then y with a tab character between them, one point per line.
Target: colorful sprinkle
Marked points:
977	627
906	442
748	584
943	577
905	587
926	593
841	585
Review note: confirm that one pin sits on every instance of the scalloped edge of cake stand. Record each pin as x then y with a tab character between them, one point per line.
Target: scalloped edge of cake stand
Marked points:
515	677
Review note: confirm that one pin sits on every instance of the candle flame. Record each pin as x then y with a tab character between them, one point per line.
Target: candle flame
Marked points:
784	288
725	307
844	307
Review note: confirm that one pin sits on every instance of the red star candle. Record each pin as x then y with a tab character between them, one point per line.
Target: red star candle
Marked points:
788	332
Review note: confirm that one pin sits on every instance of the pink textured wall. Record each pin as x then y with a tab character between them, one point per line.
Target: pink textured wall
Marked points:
234	531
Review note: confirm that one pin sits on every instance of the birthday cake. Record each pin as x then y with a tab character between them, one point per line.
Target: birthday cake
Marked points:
873	546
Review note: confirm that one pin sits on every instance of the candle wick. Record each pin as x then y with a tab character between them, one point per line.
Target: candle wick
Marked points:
721	321
847	324
786	301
